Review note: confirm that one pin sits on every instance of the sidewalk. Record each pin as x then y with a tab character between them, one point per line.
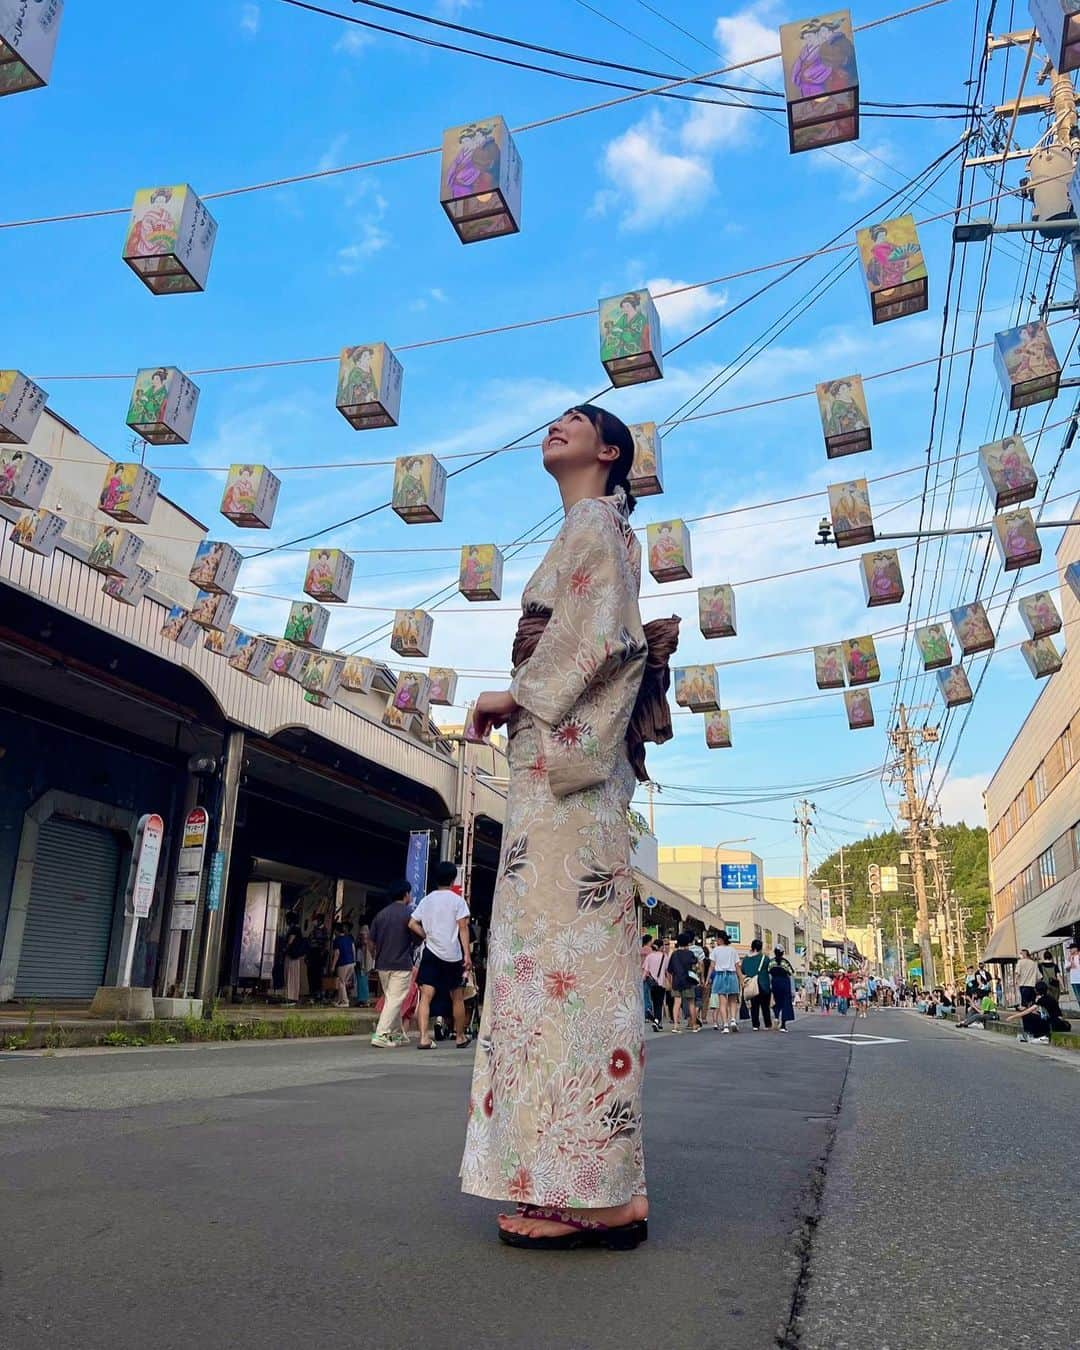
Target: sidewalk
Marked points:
1005	1034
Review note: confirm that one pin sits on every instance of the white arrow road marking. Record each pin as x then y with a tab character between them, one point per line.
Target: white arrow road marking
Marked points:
860	1038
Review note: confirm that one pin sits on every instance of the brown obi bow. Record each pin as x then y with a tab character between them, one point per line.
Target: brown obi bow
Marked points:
651	716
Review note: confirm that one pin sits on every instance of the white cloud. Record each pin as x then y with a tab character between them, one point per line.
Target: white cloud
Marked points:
862	165
962	799
353	41
657	183
250	18
433	295
746	35
682	311
373	239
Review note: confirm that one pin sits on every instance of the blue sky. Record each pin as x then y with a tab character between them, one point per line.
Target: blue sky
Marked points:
655	192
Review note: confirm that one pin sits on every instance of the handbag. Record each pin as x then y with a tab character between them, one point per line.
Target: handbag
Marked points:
753	985
329	983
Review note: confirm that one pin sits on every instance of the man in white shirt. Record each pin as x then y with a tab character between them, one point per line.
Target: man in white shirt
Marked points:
442	920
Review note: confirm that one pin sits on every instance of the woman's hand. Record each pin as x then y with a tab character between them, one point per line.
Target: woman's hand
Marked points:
493	709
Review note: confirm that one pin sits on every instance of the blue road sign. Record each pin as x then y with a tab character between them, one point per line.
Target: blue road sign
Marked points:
738	876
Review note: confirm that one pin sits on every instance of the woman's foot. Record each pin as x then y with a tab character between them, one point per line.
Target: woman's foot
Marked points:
617	1217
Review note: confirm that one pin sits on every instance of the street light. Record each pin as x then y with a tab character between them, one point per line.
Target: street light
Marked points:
747	839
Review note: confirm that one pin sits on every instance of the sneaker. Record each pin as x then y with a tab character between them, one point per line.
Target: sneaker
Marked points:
734	1026
784	1030
401	1038
755	1028
384	1042
1040	1040
725	1031
1023	1037
695	1030
656	1026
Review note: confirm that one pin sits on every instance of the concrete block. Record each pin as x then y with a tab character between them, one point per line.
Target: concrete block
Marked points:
178	1007
126	1005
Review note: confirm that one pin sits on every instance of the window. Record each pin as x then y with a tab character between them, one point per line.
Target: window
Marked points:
1038	785
768	939
1064	862
1047	869
1076	844
1054	764
757	931
734	930
1067	748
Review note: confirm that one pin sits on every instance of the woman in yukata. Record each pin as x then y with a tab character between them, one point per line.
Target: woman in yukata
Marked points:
554	1120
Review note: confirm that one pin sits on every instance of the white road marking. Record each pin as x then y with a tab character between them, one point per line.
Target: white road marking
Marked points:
861	1038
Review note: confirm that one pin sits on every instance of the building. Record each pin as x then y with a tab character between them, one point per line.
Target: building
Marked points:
697	872
786	893
1033	803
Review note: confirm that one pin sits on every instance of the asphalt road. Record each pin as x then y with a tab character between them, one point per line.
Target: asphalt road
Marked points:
303	1193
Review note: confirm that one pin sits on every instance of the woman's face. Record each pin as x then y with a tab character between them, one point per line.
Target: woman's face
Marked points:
572	443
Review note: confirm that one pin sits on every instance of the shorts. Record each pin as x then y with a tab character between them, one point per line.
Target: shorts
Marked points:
443	976
686	991
862	998
725	982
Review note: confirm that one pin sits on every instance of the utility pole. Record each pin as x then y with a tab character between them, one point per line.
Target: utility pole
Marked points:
843	907
804	824
941	893
906	738
901	963
650	788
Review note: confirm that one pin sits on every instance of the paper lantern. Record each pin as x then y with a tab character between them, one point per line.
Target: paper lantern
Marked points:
114	552
972	628
1042	656
443	686
412	632
695	688
251	495
480	187
933	644
882	581
1072	578
954	686
288	660
28	35
1027	364
646	471
1058	22
170	239
21	403
369	386
179	628
223	644
1040	614
1017	539
329	575
212	610
321	678
1007	472
829	666
630	338
306	624
669	550
357	674
419	489
412	694
129	493
716	611
718	730
216	567
845	421
481	572
859	709
860	661
821	81
849	507
162	407
894	269
394	717
38	531
23	478
128	590
252	657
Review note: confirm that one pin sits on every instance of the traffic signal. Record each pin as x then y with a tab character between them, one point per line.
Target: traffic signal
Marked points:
873	878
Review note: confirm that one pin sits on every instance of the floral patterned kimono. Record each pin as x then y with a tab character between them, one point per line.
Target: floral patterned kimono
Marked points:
555	1109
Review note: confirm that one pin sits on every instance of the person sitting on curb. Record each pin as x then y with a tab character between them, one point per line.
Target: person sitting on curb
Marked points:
1041	1017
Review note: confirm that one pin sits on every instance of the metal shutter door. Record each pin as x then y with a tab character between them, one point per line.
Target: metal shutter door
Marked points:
70	919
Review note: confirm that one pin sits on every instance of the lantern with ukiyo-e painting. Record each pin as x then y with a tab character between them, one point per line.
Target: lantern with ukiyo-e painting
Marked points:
821	81
329	575
480	185
411	635
859	709
251	496
1017	539
716	611
1007	472
1040	614
954	686
180	628
129	493
669	550
212	610
394	717
28	34
288	660
357	674
849	508
1072	578
861	661
1042	657
718	730
646	471
894	268
21	404
23	478
695	688
114	552
1027	364
38	532
882	581
321	678
630	338
972	628
170	239
223	644
934	647
419	496
845	421
480	573
128	590
162	406
443	686
829	666
216	566
412	693
252	657
369	386
306	624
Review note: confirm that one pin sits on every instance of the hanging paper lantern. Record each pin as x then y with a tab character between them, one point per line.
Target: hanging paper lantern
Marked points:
412	694
216	567
718	730
369	386
329	575
481	180
646	470
1007	472
1072	578
1040	614
162	407
251	495
860	661
114	552
845	421
1058	22
412	632
859	709
443	686
394	717
179	628
288	660
170	239
481	571
669	550
252	657
1017	539
223	644
716	611
933	644
821	81
129	493
321	677
419	489
28	35
38	531
1042	656
882	581
23	478
306	624
972	628
1027	364
358	674
954	686
849	507
128	590
695	688
21	405
630	338
212	610
894	269
829	666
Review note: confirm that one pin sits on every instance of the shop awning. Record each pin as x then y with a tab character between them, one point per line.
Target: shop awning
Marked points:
1002	945
675	900
1066	911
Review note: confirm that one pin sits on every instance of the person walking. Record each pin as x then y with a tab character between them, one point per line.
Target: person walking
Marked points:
1027	976
646	991
342	963
684	978
756	988
723	970
842	991
390	942
318	951
1073	970
1048	971
861	990
655	967
442	920
295	954
825	993
556	1095
782	981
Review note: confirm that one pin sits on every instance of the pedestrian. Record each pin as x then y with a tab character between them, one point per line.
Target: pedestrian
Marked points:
861	990
756	989
842	991
390	944
318	952
723	970
296	947
442	920
342	963
684	978
655	967
702	959
1048	970
646	991
1074	970
1027	976
782	982
1041	1017
825	993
